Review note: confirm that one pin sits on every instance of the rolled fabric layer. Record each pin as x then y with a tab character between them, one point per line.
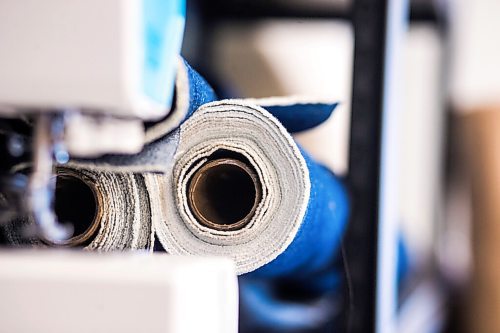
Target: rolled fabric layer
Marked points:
266	202
109	211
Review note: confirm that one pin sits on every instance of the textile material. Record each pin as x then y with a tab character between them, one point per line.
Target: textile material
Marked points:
299	219
124	219
265	306
297	113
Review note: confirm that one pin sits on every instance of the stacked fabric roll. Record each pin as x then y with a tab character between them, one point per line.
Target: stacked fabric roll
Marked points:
220	178
109	211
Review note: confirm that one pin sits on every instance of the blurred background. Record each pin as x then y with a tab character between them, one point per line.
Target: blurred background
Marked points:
446	72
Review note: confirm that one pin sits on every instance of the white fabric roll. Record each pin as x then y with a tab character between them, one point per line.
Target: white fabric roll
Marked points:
126	293
253	133
123	212
126	222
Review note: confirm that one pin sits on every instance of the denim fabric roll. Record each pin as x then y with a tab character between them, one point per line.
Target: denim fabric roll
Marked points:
241	187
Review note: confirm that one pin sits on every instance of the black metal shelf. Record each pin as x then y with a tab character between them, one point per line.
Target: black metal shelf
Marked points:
256	10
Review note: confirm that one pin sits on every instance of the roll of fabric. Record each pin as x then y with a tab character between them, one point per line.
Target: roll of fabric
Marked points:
109	211
241	187
217	178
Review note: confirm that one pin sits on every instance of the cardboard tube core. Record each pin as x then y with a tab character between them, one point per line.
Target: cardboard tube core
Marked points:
76	202
224	193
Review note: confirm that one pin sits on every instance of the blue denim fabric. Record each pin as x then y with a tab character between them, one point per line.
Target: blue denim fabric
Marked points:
302	116
318	239
311	303
266	308
200	92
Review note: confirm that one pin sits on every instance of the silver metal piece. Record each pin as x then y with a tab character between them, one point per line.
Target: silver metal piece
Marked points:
42	184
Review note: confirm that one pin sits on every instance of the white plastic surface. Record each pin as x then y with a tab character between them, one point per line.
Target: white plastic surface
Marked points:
74	54
56	292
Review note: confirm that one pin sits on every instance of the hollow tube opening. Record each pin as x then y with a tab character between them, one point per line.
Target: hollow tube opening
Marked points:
223	194
77	203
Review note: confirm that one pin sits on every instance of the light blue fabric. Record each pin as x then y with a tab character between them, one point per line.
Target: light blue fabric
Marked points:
163	29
